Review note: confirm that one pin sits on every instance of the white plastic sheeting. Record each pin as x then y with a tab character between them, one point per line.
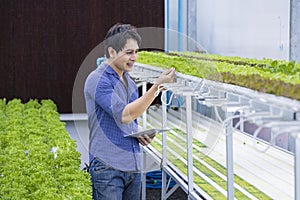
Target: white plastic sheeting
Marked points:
254	29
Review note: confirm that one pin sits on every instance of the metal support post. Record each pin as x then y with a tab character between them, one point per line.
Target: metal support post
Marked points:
144	89
189	145
229	158
192	25
164	151
143	175
294	40
297	167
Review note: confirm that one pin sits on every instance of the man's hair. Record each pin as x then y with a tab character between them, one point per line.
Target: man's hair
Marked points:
118	35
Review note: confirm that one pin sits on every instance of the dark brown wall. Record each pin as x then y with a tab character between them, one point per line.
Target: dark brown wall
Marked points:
43	43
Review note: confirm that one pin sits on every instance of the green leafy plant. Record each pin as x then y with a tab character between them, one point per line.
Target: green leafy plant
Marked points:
280	78
38	159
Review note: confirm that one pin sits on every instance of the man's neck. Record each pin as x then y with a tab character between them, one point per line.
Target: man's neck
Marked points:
117	70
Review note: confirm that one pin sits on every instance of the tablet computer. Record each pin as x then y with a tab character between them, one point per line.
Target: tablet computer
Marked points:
146	132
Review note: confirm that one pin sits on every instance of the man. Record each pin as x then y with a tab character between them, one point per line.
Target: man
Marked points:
113	107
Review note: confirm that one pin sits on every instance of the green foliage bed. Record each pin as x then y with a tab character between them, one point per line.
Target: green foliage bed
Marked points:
276	77
38	159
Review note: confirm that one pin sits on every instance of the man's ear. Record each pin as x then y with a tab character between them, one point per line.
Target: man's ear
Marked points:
112	52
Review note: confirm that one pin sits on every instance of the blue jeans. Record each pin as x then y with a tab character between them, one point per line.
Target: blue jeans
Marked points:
112	184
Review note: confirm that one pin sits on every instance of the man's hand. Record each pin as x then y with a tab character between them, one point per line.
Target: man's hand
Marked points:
166	77
146	139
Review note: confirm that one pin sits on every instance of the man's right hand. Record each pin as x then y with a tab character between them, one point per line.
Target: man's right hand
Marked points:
166	77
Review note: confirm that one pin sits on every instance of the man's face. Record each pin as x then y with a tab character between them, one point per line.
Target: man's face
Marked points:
125	59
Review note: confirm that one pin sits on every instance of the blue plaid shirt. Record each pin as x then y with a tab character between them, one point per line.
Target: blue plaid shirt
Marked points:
106	96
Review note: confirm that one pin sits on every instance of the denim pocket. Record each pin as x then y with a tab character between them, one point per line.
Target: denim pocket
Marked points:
99	166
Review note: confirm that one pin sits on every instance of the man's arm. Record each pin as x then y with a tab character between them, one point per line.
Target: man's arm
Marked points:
136	108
